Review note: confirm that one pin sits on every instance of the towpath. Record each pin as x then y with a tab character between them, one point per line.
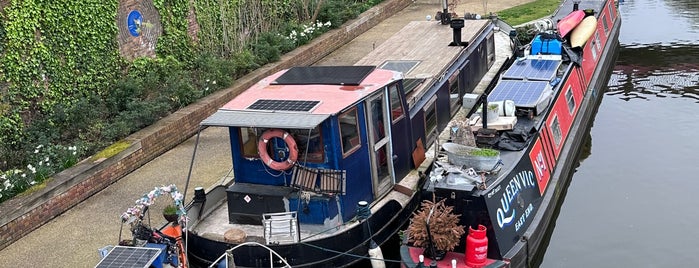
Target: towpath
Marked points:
72	239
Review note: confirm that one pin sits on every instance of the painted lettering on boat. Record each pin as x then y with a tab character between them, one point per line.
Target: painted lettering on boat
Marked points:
523	218
520	181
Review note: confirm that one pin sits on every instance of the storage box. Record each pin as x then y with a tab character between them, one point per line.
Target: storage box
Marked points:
545	46
247	202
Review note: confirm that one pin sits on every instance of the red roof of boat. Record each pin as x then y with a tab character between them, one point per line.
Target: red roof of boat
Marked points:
332	98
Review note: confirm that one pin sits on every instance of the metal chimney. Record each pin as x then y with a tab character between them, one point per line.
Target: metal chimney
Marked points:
456	25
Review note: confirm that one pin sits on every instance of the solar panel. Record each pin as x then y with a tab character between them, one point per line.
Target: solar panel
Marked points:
129	257
533	69
526	94
283	105
326	75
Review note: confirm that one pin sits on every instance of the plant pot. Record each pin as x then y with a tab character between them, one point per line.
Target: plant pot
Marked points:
438	254
170	217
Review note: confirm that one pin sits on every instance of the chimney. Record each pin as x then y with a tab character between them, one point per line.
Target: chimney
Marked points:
457	24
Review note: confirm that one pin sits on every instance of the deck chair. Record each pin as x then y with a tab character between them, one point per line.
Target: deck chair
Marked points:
280	228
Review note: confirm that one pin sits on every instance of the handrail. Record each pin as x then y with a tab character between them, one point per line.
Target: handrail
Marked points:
254	244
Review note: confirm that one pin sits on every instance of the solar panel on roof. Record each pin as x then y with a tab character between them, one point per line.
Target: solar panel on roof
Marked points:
129	257
327	75
527	94
533	69
283	105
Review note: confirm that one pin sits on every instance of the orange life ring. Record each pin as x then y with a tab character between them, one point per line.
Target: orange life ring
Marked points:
290	143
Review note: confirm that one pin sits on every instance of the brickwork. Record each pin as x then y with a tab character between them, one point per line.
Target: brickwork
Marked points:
25	213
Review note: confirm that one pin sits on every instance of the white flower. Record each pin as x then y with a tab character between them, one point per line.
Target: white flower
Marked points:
214	82
24	175
39	146
41	163
32	169
36	151
74	152
7	184
46	159
32	183
327	24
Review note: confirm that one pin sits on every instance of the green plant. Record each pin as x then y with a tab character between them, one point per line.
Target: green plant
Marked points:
487	152
170	210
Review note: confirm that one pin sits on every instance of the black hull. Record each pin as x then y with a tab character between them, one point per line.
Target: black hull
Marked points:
340	250
530	244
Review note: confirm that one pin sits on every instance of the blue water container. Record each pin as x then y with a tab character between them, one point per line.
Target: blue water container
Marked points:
546	46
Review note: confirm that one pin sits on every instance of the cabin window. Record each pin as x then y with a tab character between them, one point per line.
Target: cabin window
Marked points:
431	120
593	49
454	92
349	131
309	144
611	10
248	141
598	43
556	131
396	107
491	49
605	25
570	99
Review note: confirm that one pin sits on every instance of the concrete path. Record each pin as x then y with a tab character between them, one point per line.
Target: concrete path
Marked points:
71	240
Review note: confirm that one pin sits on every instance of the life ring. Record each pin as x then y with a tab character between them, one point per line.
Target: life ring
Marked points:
290	144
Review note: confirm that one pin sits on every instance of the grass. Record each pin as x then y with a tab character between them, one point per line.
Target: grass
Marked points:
529	11
484	152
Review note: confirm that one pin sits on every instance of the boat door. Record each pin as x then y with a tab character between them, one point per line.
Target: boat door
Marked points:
378	119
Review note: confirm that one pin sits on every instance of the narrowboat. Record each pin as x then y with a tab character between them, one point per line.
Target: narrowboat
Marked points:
325	159
544	103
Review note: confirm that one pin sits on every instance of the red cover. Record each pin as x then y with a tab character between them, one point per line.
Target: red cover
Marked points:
568	23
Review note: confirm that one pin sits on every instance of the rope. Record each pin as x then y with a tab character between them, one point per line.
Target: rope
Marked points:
348	254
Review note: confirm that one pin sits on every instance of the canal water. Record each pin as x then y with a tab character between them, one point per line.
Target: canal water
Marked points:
634	198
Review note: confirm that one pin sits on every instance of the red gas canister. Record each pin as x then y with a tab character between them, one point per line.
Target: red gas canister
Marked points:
476	247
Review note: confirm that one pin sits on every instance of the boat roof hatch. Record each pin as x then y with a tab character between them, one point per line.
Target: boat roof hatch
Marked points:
237	118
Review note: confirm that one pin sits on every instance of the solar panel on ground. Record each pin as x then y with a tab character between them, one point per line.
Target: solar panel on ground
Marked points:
283	105
524	93
533	69
129	257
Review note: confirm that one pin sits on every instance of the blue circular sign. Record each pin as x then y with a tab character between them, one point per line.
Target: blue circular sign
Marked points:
134	21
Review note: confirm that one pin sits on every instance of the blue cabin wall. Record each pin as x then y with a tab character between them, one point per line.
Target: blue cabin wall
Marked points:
402	139
358	167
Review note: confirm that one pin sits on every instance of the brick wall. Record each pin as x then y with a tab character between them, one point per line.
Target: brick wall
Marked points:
25	213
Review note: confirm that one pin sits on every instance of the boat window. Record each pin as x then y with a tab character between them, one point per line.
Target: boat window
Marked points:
248	141
309	144
491	49
349	131
570	99
605	24
556	131
611	10
597	41
431	120
454	92
593	49
396	107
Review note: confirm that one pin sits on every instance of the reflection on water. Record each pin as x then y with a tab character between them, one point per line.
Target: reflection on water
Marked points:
656	73
632	202
653	22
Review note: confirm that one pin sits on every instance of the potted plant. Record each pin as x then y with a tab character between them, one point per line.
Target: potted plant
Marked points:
170	213
493	112
444	229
